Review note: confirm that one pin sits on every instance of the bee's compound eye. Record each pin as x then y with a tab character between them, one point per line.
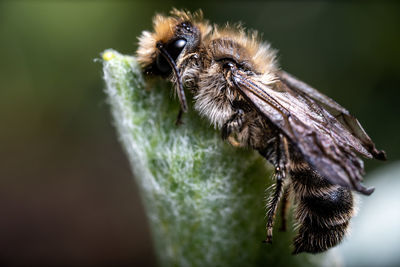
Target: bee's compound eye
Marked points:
173	48
176	48
162	64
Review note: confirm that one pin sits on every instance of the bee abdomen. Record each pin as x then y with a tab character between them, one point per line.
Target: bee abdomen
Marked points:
319	238
323	212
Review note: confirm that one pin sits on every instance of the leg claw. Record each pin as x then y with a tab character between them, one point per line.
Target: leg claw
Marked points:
267	241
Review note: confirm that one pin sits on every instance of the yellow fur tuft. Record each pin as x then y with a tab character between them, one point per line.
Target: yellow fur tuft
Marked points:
164	30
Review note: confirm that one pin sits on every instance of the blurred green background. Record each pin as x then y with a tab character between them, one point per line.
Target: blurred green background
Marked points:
66	193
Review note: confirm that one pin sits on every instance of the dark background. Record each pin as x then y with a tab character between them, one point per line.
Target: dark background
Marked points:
66	193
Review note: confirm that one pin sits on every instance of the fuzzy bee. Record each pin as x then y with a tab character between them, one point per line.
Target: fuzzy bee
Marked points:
312	142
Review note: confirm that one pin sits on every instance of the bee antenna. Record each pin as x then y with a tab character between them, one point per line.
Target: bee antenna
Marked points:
171	62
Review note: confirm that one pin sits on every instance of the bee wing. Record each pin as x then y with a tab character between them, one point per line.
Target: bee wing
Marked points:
326	144
366	147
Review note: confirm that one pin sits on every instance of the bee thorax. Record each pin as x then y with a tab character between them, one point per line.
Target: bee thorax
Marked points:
214	97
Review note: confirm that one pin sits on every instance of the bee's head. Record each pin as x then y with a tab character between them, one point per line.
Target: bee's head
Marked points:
173	36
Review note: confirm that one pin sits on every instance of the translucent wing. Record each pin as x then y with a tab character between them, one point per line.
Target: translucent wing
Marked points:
326	143
339	112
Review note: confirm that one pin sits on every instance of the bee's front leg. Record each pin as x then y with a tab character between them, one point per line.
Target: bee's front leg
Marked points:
178	120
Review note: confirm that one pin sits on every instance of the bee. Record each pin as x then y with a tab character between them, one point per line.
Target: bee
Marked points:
313	142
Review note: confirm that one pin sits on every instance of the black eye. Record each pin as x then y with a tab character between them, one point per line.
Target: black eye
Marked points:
173	48
178	46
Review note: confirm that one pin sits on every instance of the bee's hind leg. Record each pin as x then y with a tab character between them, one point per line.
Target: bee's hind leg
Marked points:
273	201
284	209
278	156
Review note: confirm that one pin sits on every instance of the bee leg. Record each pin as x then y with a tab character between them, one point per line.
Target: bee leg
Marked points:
272	206
179	118
234	124
284	209
279	159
